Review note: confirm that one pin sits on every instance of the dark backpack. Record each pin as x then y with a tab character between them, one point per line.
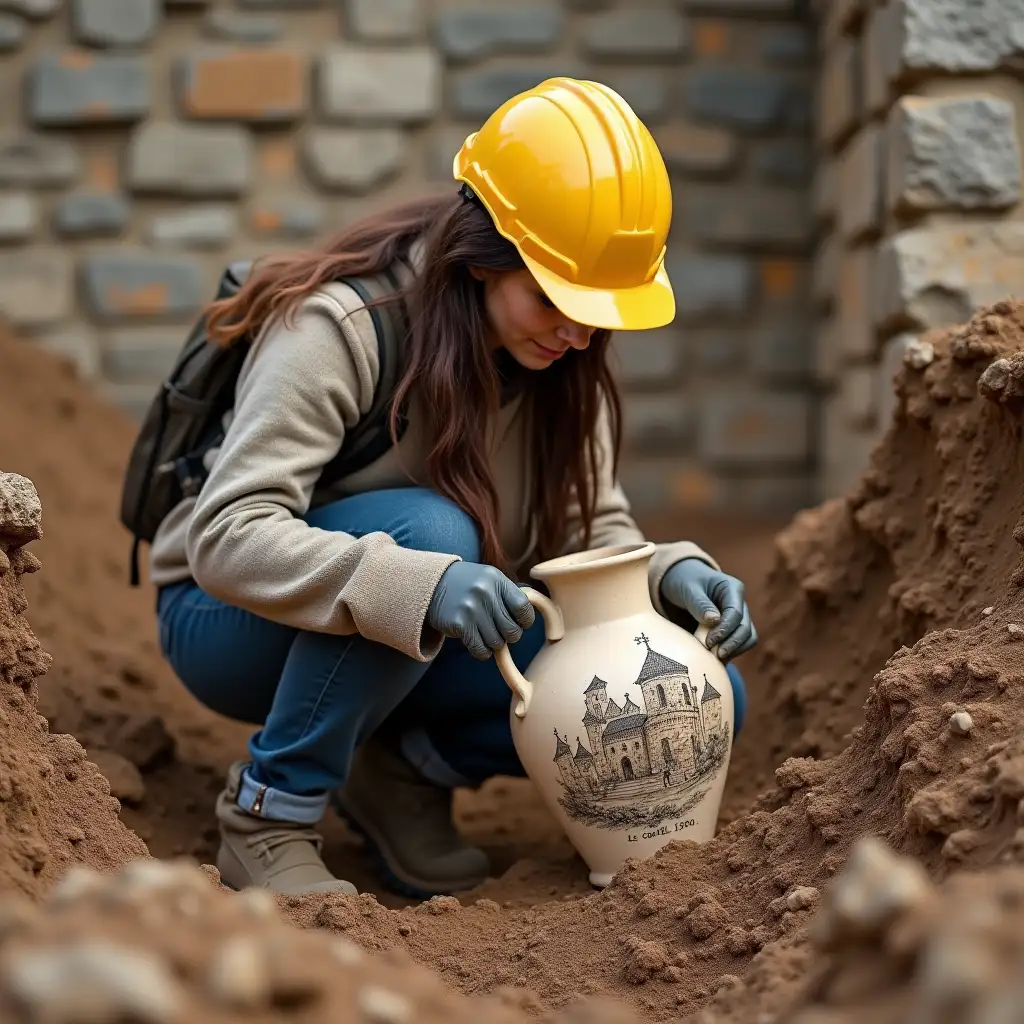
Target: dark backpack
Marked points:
184	419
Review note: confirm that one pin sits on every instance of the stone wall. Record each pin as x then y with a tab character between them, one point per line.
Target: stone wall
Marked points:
918	195
147	142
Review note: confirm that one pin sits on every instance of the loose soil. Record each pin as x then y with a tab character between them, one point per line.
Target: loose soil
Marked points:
885	699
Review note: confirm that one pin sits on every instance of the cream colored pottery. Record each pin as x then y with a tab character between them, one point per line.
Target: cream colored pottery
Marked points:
624	720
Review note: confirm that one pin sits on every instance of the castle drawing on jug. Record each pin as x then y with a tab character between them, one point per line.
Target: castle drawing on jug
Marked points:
641	766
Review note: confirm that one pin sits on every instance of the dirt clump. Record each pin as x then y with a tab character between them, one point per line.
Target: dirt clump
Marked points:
155	943
55	807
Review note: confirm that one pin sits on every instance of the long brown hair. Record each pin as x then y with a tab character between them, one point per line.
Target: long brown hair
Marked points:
449	363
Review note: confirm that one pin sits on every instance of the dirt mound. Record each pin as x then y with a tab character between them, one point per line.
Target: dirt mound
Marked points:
923	543
154	943
55	807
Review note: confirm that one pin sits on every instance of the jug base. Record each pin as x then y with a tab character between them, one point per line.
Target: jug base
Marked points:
598	880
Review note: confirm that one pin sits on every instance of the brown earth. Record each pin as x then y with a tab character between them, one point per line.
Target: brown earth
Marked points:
883	615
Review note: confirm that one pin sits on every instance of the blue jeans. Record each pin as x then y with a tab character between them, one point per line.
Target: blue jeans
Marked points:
317	696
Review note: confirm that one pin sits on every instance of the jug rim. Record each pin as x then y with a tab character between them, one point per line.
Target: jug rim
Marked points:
596	558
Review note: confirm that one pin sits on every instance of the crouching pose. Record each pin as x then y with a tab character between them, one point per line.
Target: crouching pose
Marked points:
351	616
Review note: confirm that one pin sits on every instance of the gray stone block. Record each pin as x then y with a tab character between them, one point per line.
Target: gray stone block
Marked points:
190	160
384	21
657	423
825	197
400	84
959	152
71	87
114	22
861	184
19	216
784	162
140	353
209	226
472	33
772	221
287	217
648	358
76	344
646	91
698	151
712	287
783	353
748	101
739	429
354	159
742	6
716	352
778	494
12	32
38	161
35	287
134	400
36	10
788	45
443	144
477	94
936	276
636	32
91	215
125	285
950	35
242	27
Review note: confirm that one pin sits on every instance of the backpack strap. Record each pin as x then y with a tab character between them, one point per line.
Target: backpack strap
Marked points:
370	438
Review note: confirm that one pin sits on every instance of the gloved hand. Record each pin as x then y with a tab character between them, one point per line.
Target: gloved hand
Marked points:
480	606
711	597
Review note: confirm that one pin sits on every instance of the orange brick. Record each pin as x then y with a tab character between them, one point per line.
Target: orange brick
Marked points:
711	39
278	160
148	300
265	220
101	172
780	278
246	85
76	60
694	488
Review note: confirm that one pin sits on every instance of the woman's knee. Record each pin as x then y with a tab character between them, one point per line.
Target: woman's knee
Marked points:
436	523
739	698
415	517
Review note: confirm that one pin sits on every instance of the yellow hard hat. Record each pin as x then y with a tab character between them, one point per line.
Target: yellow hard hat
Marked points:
573	178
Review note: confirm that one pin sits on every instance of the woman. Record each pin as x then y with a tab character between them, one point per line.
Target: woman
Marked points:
355	624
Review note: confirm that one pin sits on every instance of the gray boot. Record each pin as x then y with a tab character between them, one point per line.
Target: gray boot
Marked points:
407	822
276	855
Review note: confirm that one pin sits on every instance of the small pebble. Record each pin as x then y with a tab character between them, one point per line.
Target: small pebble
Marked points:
383	1006
239	976
961	723
346	951
988	611
1014	630
94	981
919	354
802	897
258	902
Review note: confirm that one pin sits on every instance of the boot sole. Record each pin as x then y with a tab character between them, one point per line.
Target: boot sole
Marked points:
382	865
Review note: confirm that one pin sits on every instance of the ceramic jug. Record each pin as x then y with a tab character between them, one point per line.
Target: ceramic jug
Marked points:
625	721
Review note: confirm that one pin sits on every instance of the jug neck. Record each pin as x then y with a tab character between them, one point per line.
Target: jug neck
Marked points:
601	593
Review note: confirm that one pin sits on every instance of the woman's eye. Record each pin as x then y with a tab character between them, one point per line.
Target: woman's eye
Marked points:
545	301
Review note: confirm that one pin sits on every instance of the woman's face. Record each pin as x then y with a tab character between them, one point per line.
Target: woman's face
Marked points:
525	321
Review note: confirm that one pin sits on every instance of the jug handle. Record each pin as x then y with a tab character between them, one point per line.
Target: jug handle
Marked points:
554	629
702	635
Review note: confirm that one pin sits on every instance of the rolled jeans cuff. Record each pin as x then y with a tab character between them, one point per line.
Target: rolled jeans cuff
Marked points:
278	805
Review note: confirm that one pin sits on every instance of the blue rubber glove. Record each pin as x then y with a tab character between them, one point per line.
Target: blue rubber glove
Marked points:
480	606
713	599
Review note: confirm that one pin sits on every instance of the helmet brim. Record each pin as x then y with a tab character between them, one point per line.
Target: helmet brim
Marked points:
641	308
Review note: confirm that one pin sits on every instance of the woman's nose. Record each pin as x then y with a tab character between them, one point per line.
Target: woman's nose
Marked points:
575	335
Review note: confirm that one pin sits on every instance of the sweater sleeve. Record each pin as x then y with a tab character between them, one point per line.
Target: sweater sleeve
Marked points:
614	523
247	541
